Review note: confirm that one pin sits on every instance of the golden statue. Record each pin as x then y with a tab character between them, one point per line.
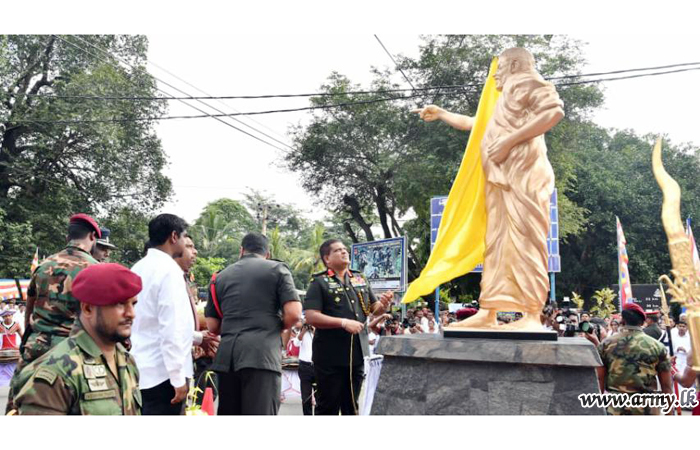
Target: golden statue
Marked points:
519	184
685	286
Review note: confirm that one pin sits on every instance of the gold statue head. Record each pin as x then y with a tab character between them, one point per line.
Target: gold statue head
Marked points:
512	61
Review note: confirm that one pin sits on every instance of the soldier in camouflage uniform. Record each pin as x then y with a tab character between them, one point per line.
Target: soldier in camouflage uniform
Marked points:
51	307
90	373
632	361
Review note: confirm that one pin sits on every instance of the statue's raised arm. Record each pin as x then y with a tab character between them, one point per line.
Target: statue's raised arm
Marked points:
431	113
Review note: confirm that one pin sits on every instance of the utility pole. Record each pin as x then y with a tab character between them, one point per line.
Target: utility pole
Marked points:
264	210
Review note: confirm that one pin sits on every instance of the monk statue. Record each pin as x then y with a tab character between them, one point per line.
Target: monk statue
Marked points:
519	184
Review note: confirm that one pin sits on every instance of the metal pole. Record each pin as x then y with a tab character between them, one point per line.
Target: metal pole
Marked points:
437	306
552	289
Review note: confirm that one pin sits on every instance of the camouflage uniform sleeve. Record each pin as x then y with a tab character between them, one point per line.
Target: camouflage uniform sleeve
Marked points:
45	394
664	364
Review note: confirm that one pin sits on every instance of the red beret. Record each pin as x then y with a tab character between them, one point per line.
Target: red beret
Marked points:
631	306
75	218
106	284
465	313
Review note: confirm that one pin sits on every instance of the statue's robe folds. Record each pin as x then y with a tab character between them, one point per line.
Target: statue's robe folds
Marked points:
518	194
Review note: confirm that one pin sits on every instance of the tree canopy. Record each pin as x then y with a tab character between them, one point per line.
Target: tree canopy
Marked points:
52	166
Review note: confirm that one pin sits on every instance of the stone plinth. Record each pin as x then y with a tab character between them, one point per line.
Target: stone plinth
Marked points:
428	374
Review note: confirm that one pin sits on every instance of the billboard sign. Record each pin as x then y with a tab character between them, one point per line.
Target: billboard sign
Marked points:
383	262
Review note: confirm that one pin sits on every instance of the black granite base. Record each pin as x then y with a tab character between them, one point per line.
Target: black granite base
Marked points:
502	335
430	375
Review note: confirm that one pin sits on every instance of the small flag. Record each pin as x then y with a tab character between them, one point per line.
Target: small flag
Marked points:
693	247
208	402
35	261
625	292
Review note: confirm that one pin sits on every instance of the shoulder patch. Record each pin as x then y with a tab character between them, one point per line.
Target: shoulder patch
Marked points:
47	375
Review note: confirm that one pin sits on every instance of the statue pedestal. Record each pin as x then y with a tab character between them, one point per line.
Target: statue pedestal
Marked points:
427	374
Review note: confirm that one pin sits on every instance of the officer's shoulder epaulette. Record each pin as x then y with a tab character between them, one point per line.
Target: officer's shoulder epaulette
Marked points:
46	374
318	274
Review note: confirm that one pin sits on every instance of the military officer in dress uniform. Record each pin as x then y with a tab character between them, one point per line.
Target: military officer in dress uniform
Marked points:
652	327
632	361
90	373
338	303
104	248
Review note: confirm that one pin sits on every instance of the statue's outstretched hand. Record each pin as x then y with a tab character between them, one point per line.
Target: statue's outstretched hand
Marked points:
429	113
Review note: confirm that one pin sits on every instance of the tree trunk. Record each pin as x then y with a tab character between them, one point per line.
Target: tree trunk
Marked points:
350	232
382	210
356	213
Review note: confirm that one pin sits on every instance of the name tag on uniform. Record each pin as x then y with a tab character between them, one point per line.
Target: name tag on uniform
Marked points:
92	372
99	384
100	395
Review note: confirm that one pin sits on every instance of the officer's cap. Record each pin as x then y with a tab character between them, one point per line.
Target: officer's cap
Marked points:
106	284
104	239
77	218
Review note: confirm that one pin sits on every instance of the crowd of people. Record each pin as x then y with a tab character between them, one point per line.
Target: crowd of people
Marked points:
99	338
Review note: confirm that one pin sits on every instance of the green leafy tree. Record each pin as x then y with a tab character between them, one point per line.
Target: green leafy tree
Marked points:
577	300
204	268
218	230
16	246
50	168
604	303
128	232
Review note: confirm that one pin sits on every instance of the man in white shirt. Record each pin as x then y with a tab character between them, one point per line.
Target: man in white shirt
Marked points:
163	330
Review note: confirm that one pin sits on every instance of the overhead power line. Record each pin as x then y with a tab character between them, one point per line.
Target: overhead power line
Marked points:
361	92
394	61
309	108
216	117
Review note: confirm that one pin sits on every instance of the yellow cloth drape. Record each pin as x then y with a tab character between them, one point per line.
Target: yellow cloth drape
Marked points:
461	237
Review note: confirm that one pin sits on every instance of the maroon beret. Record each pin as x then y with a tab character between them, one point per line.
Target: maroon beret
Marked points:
631	306
465	313
106	284
75	218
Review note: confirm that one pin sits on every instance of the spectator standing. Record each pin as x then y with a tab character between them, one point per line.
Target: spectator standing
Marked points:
163	330
205	343
246	300
307	379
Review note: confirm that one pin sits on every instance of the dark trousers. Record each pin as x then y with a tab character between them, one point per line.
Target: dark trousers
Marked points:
333	389
249	392
306	379
156	401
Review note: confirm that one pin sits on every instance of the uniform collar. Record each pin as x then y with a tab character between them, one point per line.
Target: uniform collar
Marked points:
75	245
630	328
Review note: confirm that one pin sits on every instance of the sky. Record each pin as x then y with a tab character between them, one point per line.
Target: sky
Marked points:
210	160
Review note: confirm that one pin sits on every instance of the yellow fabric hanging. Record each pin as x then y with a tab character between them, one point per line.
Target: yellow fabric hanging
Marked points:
461	237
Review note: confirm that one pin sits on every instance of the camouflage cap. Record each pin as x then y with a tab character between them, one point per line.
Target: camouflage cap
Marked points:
75	218
106	284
